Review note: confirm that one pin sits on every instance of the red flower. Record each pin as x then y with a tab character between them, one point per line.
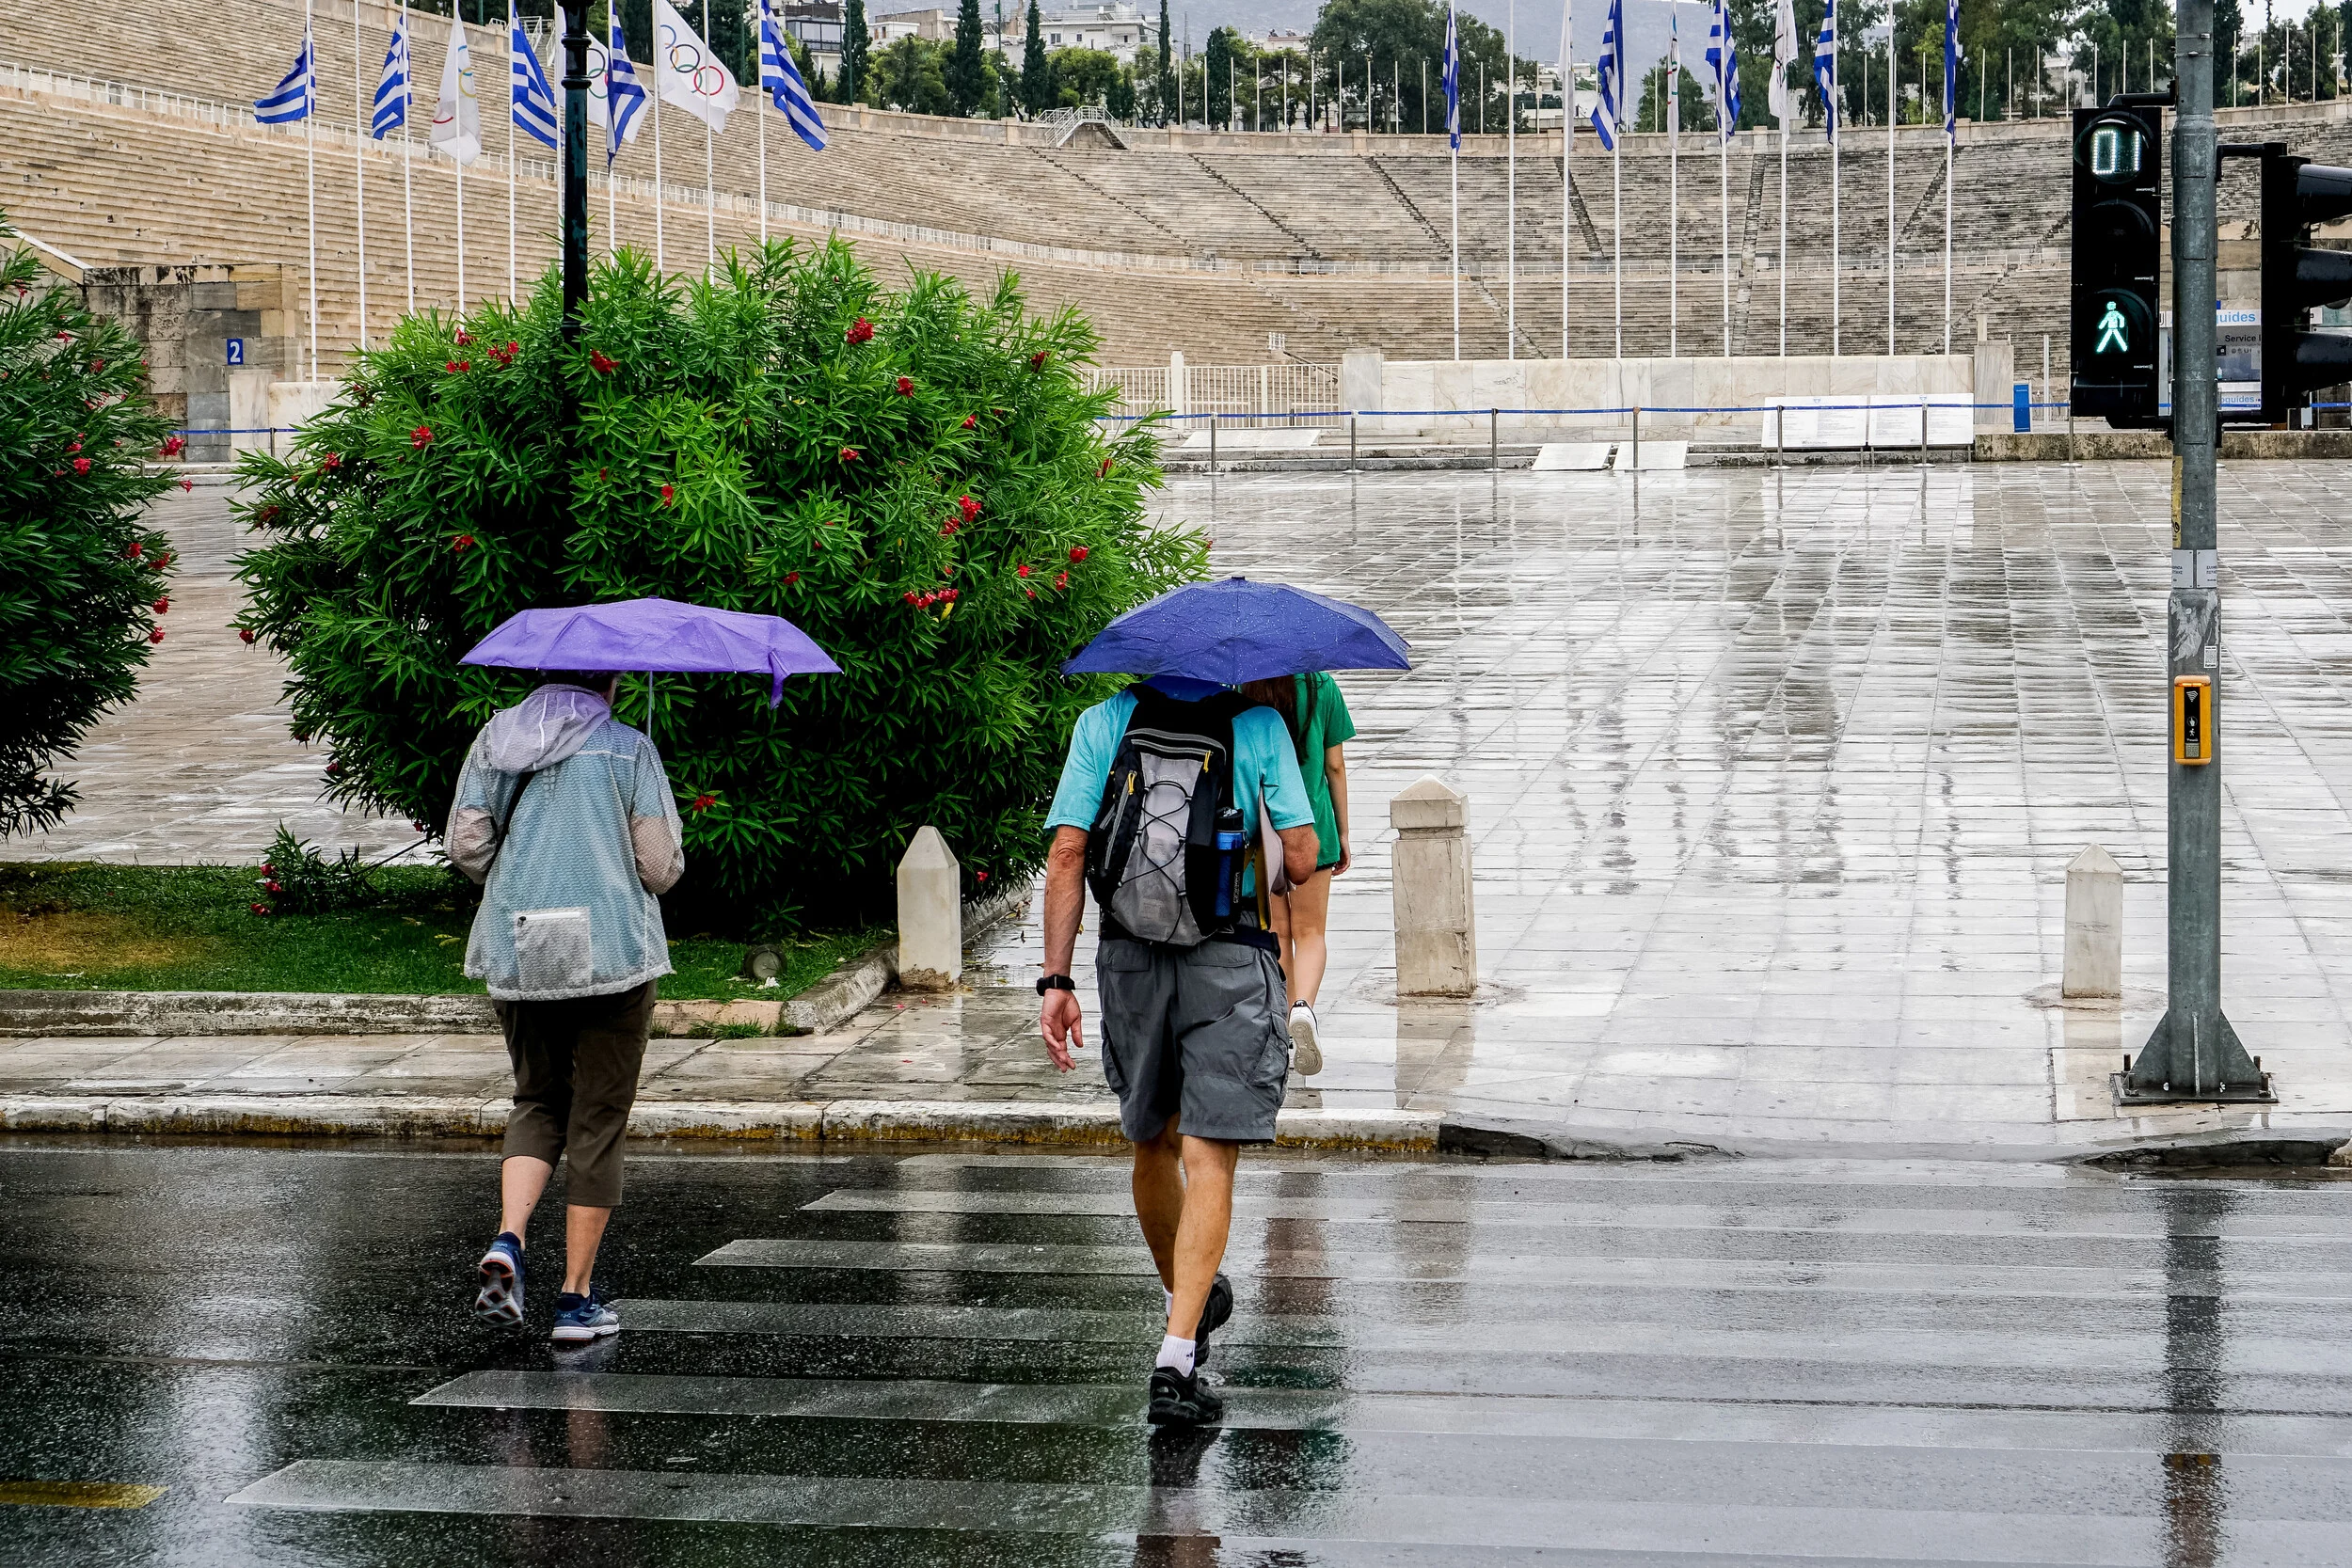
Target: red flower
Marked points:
603	474
421	827
703	803
421	437
1104	470
979	876
1031	592
848	455
135	550
860	331
969	420
597	362
952	595
162	607
97	365
244	635
1037	361
970	508
268	870
74	444
465	339
910	597
669	493
1061	580
463	541
948	527
65	337
906	388
260	909
162	560
272	887
333	767
1022	570
81	465
331	461
187	484
1077	552
450	365
173	446
155	636
791	578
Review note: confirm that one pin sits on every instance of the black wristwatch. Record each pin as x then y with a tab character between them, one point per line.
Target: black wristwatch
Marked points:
1055	982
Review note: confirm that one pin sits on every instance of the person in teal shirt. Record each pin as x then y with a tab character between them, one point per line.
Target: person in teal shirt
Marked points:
1319	724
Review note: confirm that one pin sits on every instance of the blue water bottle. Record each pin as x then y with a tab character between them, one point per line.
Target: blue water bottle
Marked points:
1230	842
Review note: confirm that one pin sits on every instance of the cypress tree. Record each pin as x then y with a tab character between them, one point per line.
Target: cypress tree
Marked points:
1036	76
964	83
853	52
1168	70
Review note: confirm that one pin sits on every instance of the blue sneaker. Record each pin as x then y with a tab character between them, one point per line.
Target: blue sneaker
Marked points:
580	1320
500	1298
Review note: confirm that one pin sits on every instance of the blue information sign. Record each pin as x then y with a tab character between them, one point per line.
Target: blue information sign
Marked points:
236	351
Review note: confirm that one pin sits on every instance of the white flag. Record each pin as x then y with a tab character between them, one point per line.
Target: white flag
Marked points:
1783	99
458	118
687	73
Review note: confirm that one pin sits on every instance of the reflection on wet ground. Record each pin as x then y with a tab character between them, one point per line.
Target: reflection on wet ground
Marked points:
938	1359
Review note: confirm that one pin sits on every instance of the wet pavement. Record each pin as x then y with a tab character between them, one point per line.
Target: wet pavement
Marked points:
939	1359
1772	781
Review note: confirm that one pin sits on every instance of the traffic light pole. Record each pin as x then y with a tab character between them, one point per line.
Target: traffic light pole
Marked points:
2193	1054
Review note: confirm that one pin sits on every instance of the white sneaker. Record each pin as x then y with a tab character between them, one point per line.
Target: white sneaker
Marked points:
1306	1051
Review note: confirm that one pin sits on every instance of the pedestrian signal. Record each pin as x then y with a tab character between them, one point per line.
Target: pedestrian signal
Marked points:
2296	361
2118	262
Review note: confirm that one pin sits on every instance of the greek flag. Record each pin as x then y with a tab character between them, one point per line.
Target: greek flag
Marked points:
1610	72
624	99
1723	65
1451	79
291	101
1951	69
1825	67
534	105
780	79
392	89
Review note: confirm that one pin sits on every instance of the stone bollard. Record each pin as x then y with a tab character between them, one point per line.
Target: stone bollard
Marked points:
931	915
1436	937
2094	924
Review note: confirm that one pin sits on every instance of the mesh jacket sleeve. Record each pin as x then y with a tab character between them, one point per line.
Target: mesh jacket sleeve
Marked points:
655	832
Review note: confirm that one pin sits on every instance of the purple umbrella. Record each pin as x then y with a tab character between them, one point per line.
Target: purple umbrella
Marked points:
654	634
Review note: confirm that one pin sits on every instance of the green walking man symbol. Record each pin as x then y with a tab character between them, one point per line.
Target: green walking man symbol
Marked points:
2111	331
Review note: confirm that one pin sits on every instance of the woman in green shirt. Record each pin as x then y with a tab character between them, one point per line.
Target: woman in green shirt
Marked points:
1319	723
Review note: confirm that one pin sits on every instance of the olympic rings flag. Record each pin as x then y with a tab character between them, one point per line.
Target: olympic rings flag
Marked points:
685	73
458	118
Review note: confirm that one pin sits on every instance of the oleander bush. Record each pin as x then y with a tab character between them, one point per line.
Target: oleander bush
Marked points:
915	479
83	577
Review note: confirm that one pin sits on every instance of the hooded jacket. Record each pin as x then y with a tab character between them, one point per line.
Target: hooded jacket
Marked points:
565	816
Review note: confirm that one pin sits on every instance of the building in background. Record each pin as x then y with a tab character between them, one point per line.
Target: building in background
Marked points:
817	24
1119	30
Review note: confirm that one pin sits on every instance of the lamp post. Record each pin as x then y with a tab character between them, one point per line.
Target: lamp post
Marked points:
575	165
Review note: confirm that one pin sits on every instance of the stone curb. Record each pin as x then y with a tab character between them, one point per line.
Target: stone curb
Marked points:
790	1121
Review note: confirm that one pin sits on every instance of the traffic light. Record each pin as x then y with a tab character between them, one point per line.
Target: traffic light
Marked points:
2119	259
2297	194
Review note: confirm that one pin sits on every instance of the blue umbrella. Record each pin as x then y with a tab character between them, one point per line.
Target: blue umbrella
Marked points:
1238	630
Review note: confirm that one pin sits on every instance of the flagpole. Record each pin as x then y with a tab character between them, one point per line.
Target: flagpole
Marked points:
311	158
661	254
407	156
1891	118
513	151
710	200
359	159
1784	239
1453	167
1567	146
1455	185
1836	257
1511	181
763	124
1616	227
1674	188
1726	71
1948	242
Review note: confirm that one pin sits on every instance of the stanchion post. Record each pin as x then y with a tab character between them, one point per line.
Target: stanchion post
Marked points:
1923	431
1351	440
1213	443
1494	450
1637	438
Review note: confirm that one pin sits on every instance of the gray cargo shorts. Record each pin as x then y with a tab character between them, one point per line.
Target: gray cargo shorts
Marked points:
1201	1030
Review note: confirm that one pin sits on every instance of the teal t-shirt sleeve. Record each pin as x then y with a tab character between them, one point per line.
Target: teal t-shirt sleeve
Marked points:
1094	744
1268	760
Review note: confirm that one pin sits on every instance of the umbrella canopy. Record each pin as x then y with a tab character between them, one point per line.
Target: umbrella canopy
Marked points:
654	634
1238	630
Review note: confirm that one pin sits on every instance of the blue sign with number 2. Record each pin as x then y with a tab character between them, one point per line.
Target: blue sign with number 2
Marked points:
236	351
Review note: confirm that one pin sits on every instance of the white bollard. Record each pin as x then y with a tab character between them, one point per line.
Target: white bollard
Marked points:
2094	924
1436	937
931	915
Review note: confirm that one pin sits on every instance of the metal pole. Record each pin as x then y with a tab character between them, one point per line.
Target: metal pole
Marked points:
2194	1053
1351	440
1494	419
1211	443
575	165
1637	436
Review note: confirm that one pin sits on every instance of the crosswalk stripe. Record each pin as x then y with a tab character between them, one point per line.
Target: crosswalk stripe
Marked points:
1475	1339
1273	1518
1434	1264
1569	1211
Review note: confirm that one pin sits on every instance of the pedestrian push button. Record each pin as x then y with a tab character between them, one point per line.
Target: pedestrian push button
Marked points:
2192	719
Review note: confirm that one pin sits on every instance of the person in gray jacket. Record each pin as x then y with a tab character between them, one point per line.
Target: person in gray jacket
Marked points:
565	815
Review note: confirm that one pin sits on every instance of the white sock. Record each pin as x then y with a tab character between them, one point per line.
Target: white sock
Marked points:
1167	1306
1175	1352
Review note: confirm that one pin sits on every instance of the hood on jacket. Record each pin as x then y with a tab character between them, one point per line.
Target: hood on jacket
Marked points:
542	729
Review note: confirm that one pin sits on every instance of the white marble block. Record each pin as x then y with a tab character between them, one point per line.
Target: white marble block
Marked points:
2094	924
931	915
1436	937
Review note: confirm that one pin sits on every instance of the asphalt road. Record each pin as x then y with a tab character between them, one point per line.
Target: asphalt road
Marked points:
939	1359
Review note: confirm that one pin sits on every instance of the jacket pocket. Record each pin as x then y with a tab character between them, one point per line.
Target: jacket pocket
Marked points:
552	950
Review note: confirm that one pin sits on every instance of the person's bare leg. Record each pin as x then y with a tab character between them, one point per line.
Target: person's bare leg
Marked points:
583	1231
1158	1185
521	1179
1208	1216
1309	947
1279	908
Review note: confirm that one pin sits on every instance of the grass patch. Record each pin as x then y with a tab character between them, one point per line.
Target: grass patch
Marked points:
87	927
